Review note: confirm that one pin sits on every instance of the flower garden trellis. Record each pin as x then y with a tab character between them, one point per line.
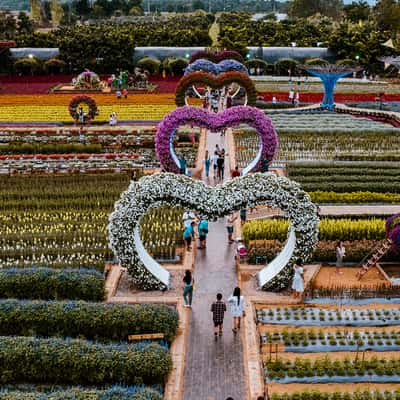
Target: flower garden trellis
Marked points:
230	117
212	202
329	75
210	81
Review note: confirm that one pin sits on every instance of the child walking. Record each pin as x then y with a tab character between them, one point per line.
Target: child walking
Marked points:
218	309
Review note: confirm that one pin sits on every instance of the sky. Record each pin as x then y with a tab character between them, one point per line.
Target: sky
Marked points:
370	2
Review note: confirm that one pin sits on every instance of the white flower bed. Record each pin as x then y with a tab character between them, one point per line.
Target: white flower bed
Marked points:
212	202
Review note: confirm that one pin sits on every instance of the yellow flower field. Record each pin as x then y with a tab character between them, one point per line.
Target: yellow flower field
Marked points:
54	107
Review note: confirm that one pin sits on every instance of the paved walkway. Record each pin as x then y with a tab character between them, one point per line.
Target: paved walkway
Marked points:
214	368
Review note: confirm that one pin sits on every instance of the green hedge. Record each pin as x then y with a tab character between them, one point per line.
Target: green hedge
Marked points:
113	393
52	284
358	395
78	362
355	197
86	320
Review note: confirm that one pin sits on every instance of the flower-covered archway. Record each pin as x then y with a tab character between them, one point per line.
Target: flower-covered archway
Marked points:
212	202
201	118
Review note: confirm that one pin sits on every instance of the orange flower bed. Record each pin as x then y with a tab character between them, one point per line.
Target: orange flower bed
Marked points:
100	99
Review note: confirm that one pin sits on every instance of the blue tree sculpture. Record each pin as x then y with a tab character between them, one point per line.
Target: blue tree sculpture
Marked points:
329	75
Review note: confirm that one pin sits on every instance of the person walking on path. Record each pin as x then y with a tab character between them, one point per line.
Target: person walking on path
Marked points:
218	309
188	235
340	253
188	288
203	231
298	279
188	217
214	159
220	166
207	163
237	305
182	165
230	219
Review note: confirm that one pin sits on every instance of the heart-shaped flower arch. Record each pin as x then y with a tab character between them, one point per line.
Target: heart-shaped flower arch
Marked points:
230	117
216	68
215	82
212	202
217	56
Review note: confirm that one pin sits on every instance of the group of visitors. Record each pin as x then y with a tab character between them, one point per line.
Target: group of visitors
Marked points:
294	97
216	100
189	224
217	161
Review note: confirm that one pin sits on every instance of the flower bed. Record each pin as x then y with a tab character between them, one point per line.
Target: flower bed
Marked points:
86	320
325	370
367	394
264	251
113	393
324	317
49	284
72	361
354	197
329	229
73	211
312	341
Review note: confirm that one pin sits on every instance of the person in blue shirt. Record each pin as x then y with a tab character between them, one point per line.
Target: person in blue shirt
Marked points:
182	165
188	235
203	231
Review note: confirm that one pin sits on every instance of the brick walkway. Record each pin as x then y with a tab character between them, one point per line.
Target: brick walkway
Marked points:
213	368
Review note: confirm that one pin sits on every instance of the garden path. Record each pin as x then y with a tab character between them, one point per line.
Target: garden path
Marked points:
214	368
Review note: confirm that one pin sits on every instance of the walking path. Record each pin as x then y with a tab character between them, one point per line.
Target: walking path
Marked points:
214	368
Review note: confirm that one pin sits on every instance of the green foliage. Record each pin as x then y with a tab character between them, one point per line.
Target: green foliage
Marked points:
150	64
177	66
283	65
50	148
320	196
27	65
50	284
347	62
357	395
95	321
54	65
315	61
58	361
113	393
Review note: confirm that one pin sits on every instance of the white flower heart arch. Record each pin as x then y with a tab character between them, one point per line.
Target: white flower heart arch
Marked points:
212	202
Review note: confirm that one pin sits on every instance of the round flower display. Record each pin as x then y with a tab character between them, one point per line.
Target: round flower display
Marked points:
212	202
77	111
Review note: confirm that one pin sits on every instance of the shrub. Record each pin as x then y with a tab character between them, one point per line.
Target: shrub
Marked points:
87	320
319	196
27	65
283	65
347	62
113	393
150	64
52	284
72	361
256	62
316	61
54	65
177	66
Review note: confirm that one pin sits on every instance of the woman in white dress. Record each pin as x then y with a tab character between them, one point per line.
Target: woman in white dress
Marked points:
298	279
237	305
340	253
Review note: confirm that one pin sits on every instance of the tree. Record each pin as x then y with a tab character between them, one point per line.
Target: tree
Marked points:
81	7
307	8
7	26
357	11
387	14
24	24
198	5
57	12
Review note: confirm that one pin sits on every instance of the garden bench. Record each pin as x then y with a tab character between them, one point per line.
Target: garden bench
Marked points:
146	336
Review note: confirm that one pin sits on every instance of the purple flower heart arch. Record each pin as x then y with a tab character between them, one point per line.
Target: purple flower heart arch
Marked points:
228	118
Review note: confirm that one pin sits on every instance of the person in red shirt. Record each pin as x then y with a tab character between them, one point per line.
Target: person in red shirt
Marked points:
235	172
